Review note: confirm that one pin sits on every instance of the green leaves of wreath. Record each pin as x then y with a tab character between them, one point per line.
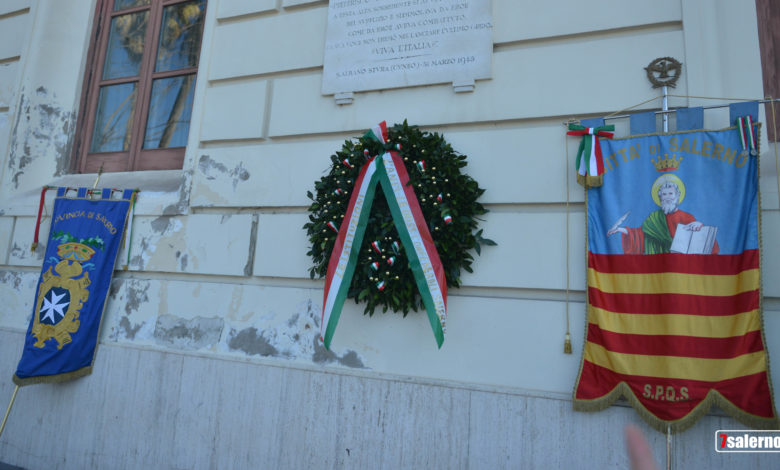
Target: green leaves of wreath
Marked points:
448	199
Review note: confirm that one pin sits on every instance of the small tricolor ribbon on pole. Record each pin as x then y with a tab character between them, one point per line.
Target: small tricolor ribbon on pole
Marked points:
746	134
38	221
427	269
590	162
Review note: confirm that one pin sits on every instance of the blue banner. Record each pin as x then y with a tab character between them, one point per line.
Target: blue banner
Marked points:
84	240
714	177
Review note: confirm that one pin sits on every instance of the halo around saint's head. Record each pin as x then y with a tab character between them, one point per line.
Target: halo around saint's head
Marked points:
667	177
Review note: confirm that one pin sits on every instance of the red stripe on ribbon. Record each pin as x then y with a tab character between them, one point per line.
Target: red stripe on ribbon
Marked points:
672	345
591	131
599	158
675	262
339	245
38	220
687	304
422	226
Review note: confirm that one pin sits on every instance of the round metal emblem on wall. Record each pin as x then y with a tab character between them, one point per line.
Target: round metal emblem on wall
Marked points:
664	71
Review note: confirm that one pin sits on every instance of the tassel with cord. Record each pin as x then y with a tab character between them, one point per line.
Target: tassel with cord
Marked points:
567	344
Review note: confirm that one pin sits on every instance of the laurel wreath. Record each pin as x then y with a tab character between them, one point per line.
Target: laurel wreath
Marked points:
448	199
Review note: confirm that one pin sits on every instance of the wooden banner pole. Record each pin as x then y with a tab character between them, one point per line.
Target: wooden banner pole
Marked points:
668	447
8	411
99	174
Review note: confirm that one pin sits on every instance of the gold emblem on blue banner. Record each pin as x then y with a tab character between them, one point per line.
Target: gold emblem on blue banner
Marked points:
62	295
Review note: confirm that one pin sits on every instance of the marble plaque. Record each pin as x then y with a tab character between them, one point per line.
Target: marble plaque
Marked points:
378	44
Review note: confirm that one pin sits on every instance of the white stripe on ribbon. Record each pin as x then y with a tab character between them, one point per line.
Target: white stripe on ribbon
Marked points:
741	129
582	170
378	131
417	241
593	167
346	250
750	132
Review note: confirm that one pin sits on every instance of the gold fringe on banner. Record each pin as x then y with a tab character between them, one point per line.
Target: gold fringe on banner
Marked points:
50	379
590	181
713	398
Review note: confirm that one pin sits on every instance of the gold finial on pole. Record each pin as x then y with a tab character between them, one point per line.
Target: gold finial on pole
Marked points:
99	174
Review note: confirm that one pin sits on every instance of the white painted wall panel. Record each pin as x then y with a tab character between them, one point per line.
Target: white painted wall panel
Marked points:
772	344
6	234
770	257
17	289
24	234
296	3
162	192
8	76
570	84
188	244
710	70
234	111
515	21
281	326
524	162
260	48
770	184
14	31
277	325
229	8
280	174
4	131
132	309
489	341
261	175
282	244
11	6
531	251
55	45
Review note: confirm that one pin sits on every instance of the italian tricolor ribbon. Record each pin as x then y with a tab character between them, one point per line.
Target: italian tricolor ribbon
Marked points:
389	170
590	163
746	135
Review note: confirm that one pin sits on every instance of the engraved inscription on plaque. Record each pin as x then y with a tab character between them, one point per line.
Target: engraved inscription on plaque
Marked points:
378	44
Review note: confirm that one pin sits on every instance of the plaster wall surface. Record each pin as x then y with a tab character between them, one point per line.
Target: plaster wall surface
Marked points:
209	347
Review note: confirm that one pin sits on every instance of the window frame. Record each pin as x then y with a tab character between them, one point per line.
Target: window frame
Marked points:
136	158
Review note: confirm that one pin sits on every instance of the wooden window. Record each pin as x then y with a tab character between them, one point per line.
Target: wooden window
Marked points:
139	85
768	15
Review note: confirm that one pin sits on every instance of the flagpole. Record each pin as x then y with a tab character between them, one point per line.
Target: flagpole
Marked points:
99	173
8	411
665	106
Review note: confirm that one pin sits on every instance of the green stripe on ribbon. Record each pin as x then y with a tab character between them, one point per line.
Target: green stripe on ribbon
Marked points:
414	261
380	176
354	251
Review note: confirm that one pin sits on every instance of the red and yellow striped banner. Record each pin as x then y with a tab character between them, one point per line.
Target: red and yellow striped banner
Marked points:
674	317
673	334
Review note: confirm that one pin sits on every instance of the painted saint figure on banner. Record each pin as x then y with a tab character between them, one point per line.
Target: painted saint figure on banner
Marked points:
667	229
